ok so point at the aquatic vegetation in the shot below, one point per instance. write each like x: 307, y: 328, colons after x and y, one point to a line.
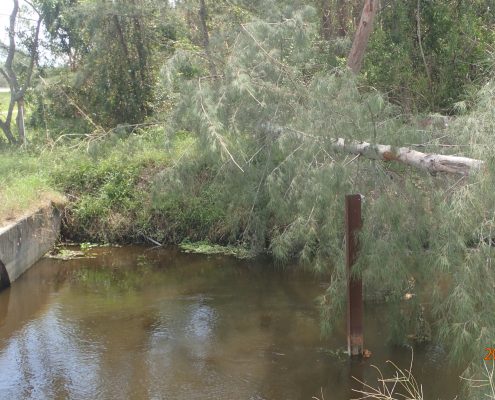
x: 210, y: 248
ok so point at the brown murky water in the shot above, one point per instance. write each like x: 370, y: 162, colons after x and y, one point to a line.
x: 134, y: 323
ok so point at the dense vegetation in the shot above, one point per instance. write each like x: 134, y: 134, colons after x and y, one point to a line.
x: 213, y: 121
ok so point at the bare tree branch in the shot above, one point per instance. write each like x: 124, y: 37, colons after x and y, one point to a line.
x: 432, y: 163
x: 429, y: 162
x: 11, y: 52
x: 32, y: 60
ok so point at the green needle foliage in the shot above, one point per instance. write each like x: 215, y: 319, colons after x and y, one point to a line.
x: 265, y: 125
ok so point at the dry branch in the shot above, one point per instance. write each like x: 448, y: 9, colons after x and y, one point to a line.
x: 432, y: 163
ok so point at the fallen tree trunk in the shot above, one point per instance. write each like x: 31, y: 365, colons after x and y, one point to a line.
x: 432, y: 163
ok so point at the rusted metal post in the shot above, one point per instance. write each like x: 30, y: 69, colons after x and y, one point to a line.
x: 353, y: 224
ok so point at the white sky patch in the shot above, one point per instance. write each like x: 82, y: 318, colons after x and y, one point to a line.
x: 6, y: 7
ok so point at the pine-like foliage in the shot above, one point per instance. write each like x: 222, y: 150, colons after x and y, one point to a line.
x: 264, y: 124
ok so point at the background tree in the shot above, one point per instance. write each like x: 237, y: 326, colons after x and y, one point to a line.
x: 19, y: 79
x: 65, y: 36
x: 429, y: 55
x: 112, y: 49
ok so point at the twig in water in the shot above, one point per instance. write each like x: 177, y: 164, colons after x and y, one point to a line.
x: 153, y: 241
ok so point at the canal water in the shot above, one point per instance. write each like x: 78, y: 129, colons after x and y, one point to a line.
x: 137, y: 323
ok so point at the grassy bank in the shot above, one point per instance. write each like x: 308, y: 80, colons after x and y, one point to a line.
x: 116, y: 188
x: 4, y: 102
x: 24, y: 186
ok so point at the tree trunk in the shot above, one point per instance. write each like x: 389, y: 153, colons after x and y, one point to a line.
x: 142, y: 51
x: 125, y: 50
x: 420, y: 42
x: 432, y: 163
x: 203, y: 15
x: 326, y: 20
x: 363, y: 33
x: 202, y: 20
x: 130, y: 66
x: 20, y: 122
x: 343, y: 17
x: 7, y: 132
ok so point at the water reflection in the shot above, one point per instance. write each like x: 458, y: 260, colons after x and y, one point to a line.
x: 162, y: 325
x: 47, y: 359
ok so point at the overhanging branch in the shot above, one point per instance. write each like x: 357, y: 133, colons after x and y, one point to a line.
x: 429, y: 162
x: 432, y: 163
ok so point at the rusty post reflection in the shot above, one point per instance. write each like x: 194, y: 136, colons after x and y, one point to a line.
x: 353, y: 224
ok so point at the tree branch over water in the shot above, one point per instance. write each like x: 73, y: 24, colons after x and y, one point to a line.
x: 432, y: 163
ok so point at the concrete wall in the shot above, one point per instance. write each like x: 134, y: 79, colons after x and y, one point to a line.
x: 24, y: 242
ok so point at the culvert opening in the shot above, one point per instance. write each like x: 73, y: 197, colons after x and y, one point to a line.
x: 4, y: 276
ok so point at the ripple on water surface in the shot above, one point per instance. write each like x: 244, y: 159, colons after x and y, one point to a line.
x: 138, y: 324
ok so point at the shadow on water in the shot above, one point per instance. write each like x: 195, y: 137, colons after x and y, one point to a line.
x: 135, y: 323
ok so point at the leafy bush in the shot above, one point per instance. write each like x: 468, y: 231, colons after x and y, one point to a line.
x: 430, y: 63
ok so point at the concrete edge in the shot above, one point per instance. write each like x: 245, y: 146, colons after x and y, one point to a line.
x: 25, y: 241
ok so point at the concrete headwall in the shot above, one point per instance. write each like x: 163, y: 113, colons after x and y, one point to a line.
x: 25, y: 241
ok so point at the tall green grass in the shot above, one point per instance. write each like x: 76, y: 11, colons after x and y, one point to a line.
x: 110, y: 185
x: 24, y: 185
x: 4, y: 102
